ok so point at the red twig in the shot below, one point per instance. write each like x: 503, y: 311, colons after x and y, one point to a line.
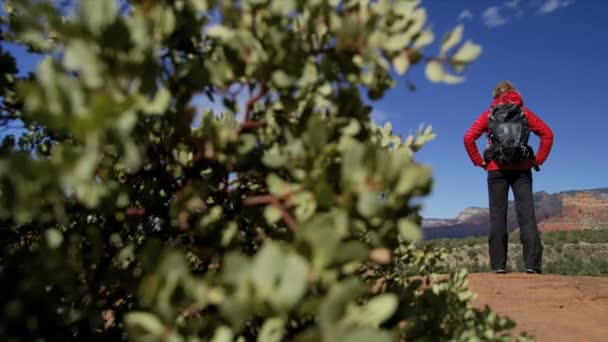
x: 321, y: 50
x: 289, y: 220
x: 276, y: 201
x: 250, y: 125
x: 136, y: 211
x: 257, y: 200
x: 252, y: 101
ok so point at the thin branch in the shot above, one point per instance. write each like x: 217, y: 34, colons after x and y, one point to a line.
x: 276, y: 201
x: 321, y: 50
x: 250, y: 125
x: 251, y: 102
x: 136, y: 211
x: 286, y: 216
x: 258, y: 200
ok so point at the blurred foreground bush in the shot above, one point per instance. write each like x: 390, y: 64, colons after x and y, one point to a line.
x: 128, y: 213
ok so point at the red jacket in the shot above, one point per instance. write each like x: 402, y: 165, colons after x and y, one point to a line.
x: 535, y: 124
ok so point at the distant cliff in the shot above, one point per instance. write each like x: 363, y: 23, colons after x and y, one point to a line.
x: 568, y: 210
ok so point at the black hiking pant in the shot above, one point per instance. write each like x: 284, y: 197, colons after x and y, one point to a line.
x: 499, y: 183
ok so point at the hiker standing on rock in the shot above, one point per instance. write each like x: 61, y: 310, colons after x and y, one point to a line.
x: 509, y: 160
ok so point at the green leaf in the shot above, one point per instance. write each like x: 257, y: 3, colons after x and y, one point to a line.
x: 404, y: 8
x: 54, y: 238
x: 401, y: 63
x: 223, y: 334
x: 293, y: 283
x: 238, y: 268
x: 409, y: 231
x: 214, y: 215
x: 266, y: 268
x: 452, y: 39
x: 272, y: 330
x: 229, y: 232
x: 273, y: 158
x: 411, y: 178
x: 165, y: 21
x: 419, y: 15
x: 369, y: 203
x: 283, y: 7
x: 371, y: 314
x: 220, y: 31
x: 351, y: 251
x: 352, y: 129
x: 387, y: 129
x: 281, y: 79
x: 352, y: 158
x: 159, y: 103
x: 426, y: 37
x: 80, y: 56
x: 126, y: 122
x: 333, y: 307
x: 310, y: 335
x: 132, y: 157
x: 467, y: 53
x: 367, y: 334
x: 272, y: 214
x: 310, y: 74
x: 248, y: 143
x: 278, y: 186
x: 398, y: 41
x: 323, y: 234
x: 98, y: 14
x: 325, y: 89
x: 452, y: 79
x: 184, y: 157
x: 382, y: 7
x: 306, y: 205
x: 199, y: 5
x: 434, y: 71
x: 144, y: 325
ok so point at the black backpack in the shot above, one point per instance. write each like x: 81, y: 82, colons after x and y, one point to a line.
x: 508, y: 134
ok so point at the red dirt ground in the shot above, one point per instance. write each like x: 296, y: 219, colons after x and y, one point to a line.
x: 548, y: 307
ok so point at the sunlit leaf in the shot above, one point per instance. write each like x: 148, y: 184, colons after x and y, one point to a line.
x: 426, y: 37
x: 434, y: 71
x: 272, y: 214
x: 468, y: 52
x: 98, y: 14
x: 409, y: 231
x: 223, y: 334
x: 143, y: 325
x: 54, y: 238
x: 272, y: 330
x: 374, y: 312
x: 452, y: 38
x: 401, y: 63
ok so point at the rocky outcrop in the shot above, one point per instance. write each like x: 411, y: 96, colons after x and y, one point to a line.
x: 561, y: 211
x: 580, y: 210
x: 473, y: 214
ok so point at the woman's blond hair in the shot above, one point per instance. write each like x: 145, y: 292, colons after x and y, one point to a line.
x: 501, y: 88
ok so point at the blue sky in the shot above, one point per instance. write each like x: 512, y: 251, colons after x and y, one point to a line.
x: 554, y: 53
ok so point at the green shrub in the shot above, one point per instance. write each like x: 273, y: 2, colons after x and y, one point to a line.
x: 582, y: 252
x: 128, y: 214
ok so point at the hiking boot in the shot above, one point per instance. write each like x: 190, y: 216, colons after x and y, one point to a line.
x: 500, y: 271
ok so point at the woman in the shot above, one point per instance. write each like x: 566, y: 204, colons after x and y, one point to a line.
x: 515, y: 174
